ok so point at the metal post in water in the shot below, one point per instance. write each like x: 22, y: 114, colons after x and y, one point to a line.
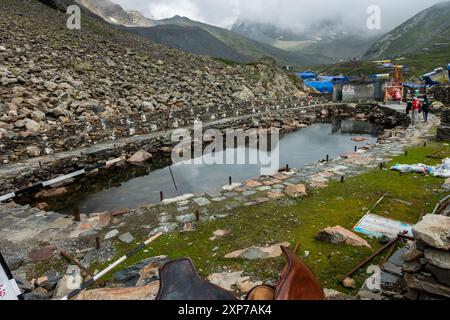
x: 328, y: 158
x: 197, y: 216
x: 230, y: 180
x: 356, y: 148
x: 76, y: 214
x: 161, y: 196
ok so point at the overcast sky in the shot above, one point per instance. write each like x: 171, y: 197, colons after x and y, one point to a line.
x: 296, y: 14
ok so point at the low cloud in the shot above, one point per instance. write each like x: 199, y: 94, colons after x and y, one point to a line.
x: 296, y: 15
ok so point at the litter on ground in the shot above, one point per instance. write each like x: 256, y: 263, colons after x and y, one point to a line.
x: 440, y: 171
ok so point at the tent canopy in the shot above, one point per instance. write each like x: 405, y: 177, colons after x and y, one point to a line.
x: 334, y: 78
x: 306, y: 75
x: 321, y: 86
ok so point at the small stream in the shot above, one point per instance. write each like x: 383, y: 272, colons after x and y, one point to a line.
x: 139, y: 185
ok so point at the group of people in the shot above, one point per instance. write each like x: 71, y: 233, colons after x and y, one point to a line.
x: 415, y: 107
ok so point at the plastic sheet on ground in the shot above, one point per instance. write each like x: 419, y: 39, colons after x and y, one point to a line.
x: 440, y: 171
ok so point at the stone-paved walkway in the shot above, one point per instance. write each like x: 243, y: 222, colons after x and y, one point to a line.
x: 27, y: 232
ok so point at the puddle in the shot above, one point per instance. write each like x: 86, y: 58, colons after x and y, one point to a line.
x: 140, y: 185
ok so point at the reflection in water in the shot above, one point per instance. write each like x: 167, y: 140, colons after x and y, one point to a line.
x: 139, y: 185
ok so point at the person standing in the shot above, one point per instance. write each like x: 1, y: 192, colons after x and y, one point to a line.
x: 415, y: 110
x: 426, y: 109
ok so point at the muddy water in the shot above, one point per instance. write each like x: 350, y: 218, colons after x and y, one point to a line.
x: 139, y: 185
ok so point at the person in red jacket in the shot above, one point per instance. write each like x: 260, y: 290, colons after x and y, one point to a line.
x: 415, y: 110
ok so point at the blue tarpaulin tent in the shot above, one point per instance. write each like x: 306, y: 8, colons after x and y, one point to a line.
x: 338, y: 79
x: 321, y: 86
x: 306, y: 75
x: 448, y: 68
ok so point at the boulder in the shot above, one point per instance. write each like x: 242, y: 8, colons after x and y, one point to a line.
x: 33, y: 151
x: 42, y: 254
x: 434, y: 231
x: 244, y: 95
x: 72, y: 280
x: 139, y: 273
x: 252, y: 183
x: 413, y: 254
x: 274, y: 195
x: 349, y: 283
x: 231, y: 280
x: 111, y: 234
x: 140, y: 157
x: 438, y: 258
x: 126, y: 237
x: 359, y: 139
x: 52, y: 193
x: 254, y: 253
x: 441, y: 275
x: 427, y: 284
x: 333, y: 295
x: 340, y: 235
x: 296, y: 191
x: 147, y: 292
x: 32, y: 125
x: 38, y: 294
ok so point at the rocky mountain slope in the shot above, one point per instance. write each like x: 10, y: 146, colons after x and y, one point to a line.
x: 182, y: 33
x: 62, y: 89
x: 113, y: 13
x: 190, y: 39
x: 427, y: 31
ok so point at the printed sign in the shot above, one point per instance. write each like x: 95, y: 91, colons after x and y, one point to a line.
x: 8, y: 288
x: 376, y: 226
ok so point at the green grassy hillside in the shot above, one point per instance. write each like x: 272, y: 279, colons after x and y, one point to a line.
x: 428, y: 30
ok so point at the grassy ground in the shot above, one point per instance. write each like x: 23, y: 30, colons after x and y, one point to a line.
x: 300, y: 221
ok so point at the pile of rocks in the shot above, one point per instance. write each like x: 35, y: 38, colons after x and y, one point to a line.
x: 62, y: 89
x: 444, y: 130
x: 427, y: 263
x: 442, y: 94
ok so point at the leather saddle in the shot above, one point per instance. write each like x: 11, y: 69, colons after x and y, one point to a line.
x: 180, y: 281
x: 297, y: 283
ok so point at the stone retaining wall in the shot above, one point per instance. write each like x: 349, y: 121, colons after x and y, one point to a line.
x: 427, y: 263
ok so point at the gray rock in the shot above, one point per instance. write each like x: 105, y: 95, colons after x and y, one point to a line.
x: 24, y: 284
x: 111, y: 234
x: 72, y: 280
x: 53, y: 278
x: 14, y: 263
x: 126, y: 237
x: 438, y: 258
x: 441, y: 275
x: 412, y: 267
x: 427, y: 284
x: 38, y: 294
x: 397, y: 258
x: 186, y: 218
x: 201, y: 201
x: 33, y: 151
x: 130, y: 276
x: 434, y: 230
